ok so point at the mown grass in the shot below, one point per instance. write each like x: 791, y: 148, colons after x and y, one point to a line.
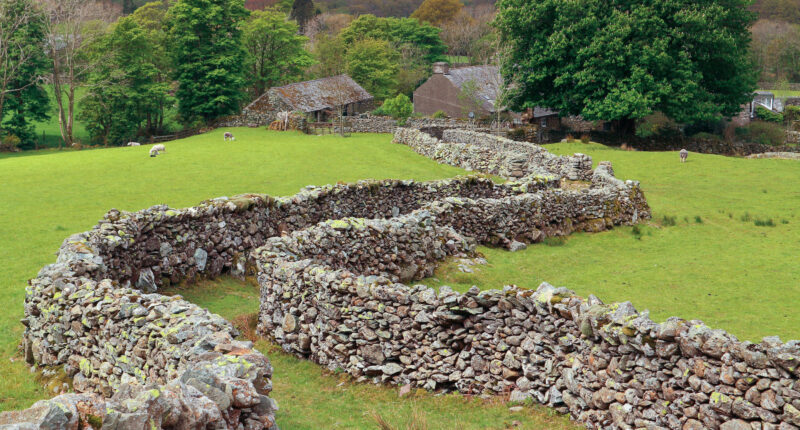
x: 47, y: 195
x: 311, y: 397
x: 784, y: 93
x: 714, y: 251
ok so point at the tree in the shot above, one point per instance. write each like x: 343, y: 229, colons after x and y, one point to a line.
x: 373, y: 64
x: 209, y: 57
x: 400, y: 108
x: 776, y: 49
x: 303, y: 11
x: 73, y: 26
x: 152, y: 20
x: 23, y: 64
x: 619, y: 60
x: 398, y: 32
x: 125, y: 92
x: 276, y: 53
x: 329, y: 52
x: 438, y: 12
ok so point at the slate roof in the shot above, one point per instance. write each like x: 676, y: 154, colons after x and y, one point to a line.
x: 487, y: 80
x: 320, y: 94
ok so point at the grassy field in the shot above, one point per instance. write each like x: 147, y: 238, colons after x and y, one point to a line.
x: 784, y: 93
x: 707, y: 260
x: 730, y: 259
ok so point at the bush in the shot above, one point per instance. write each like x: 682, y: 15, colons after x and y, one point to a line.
x: 764, y: 222
x: 439, y: 115
x: 585, y: 138
x: 400, y: 108
x: 768, y: 115
x: 791, y: 113
x: 765, y: 133
x: 570, y: 138
x: 10, y: 143
x: 656, y: 124
x: 707, y: 135
x: 380, y: 111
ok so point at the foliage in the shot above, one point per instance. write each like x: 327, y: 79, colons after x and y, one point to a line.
x: 276, y: 53
x: 656, y: 124
x: 439, y: 114
x: 9, y: 143
x: 373, y: 64
x: 767, y: 115
x: 765, y: 133
x: 438, y: 12
x: 779, y: 10
x: 398, y: 32
x: 380, y: 111
x: 400, y: 108
x: 209, y: 57
x: 124, y: 86
x: 622, y: 60
x: 469, y: 99
x: 329, y: 53
x: 791, y: 114
x: 22, y: 64
x: 776, y: 50
x: 302, y: 12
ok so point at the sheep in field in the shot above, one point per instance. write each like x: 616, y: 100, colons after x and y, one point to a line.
x: 153, y: 152
x: 684, y: 155
x: 228, y: 136
x: 160, y: 148
x: 134, y: 144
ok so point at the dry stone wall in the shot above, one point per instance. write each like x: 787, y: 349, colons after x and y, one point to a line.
x: 137, y: 359
x: 332, y: 293
x: 495, y: 155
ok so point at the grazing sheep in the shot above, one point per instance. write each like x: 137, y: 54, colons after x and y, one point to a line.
x: 153, y: 152
x: 684, y: 155
x: 228, y: 136
x: 159, y: 148
x: 134, y: 144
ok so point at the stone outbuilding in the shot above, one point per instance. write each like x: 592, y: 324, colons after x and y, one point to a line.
x: 320, y: 99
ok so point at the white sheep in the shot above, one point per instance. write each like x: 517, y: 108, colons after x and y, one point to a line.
x: 684, y: 155
x: 134, y: 144
x: 153, y: 152
x: 160, y: 148
x: 228, y: 136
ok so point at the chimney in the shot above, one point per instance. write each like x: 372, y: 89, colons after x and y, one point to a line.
x: 441, y: 68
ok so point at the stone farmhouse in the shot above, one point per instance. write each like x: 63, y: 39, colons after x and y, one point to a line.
x: 441, y: 93
x: 320, y: 99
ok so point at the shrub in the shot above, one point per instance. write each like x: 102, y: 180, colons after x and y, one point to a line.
x: 400, y: 108
x: 707, y: 135
x: 570, y: 138
x: 585, y: 138
x: 765, y: 133
x: 10, y: 143
x: 656, y: 124
x: 669, y: 221
x: 768, y: 115
x: 764, y: 222
x: 439, y: 114
x: 698, y: 219
x: 380, y: 111
x: 791, y: 113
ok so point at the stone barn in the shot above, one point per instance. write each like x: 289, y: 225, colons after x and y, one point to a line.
x: 441, y: 92
x: 320, y: 99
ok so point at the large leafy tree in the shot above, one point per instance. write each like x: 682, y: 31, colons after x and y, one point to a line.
x: 373, y: 64
x: 438, y: 12
x: 621, y: 60
x: 23, y: 63
x: 276, y: 53
x: 125, y: 93
x: 209, y: 57
x: 398, y: 32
